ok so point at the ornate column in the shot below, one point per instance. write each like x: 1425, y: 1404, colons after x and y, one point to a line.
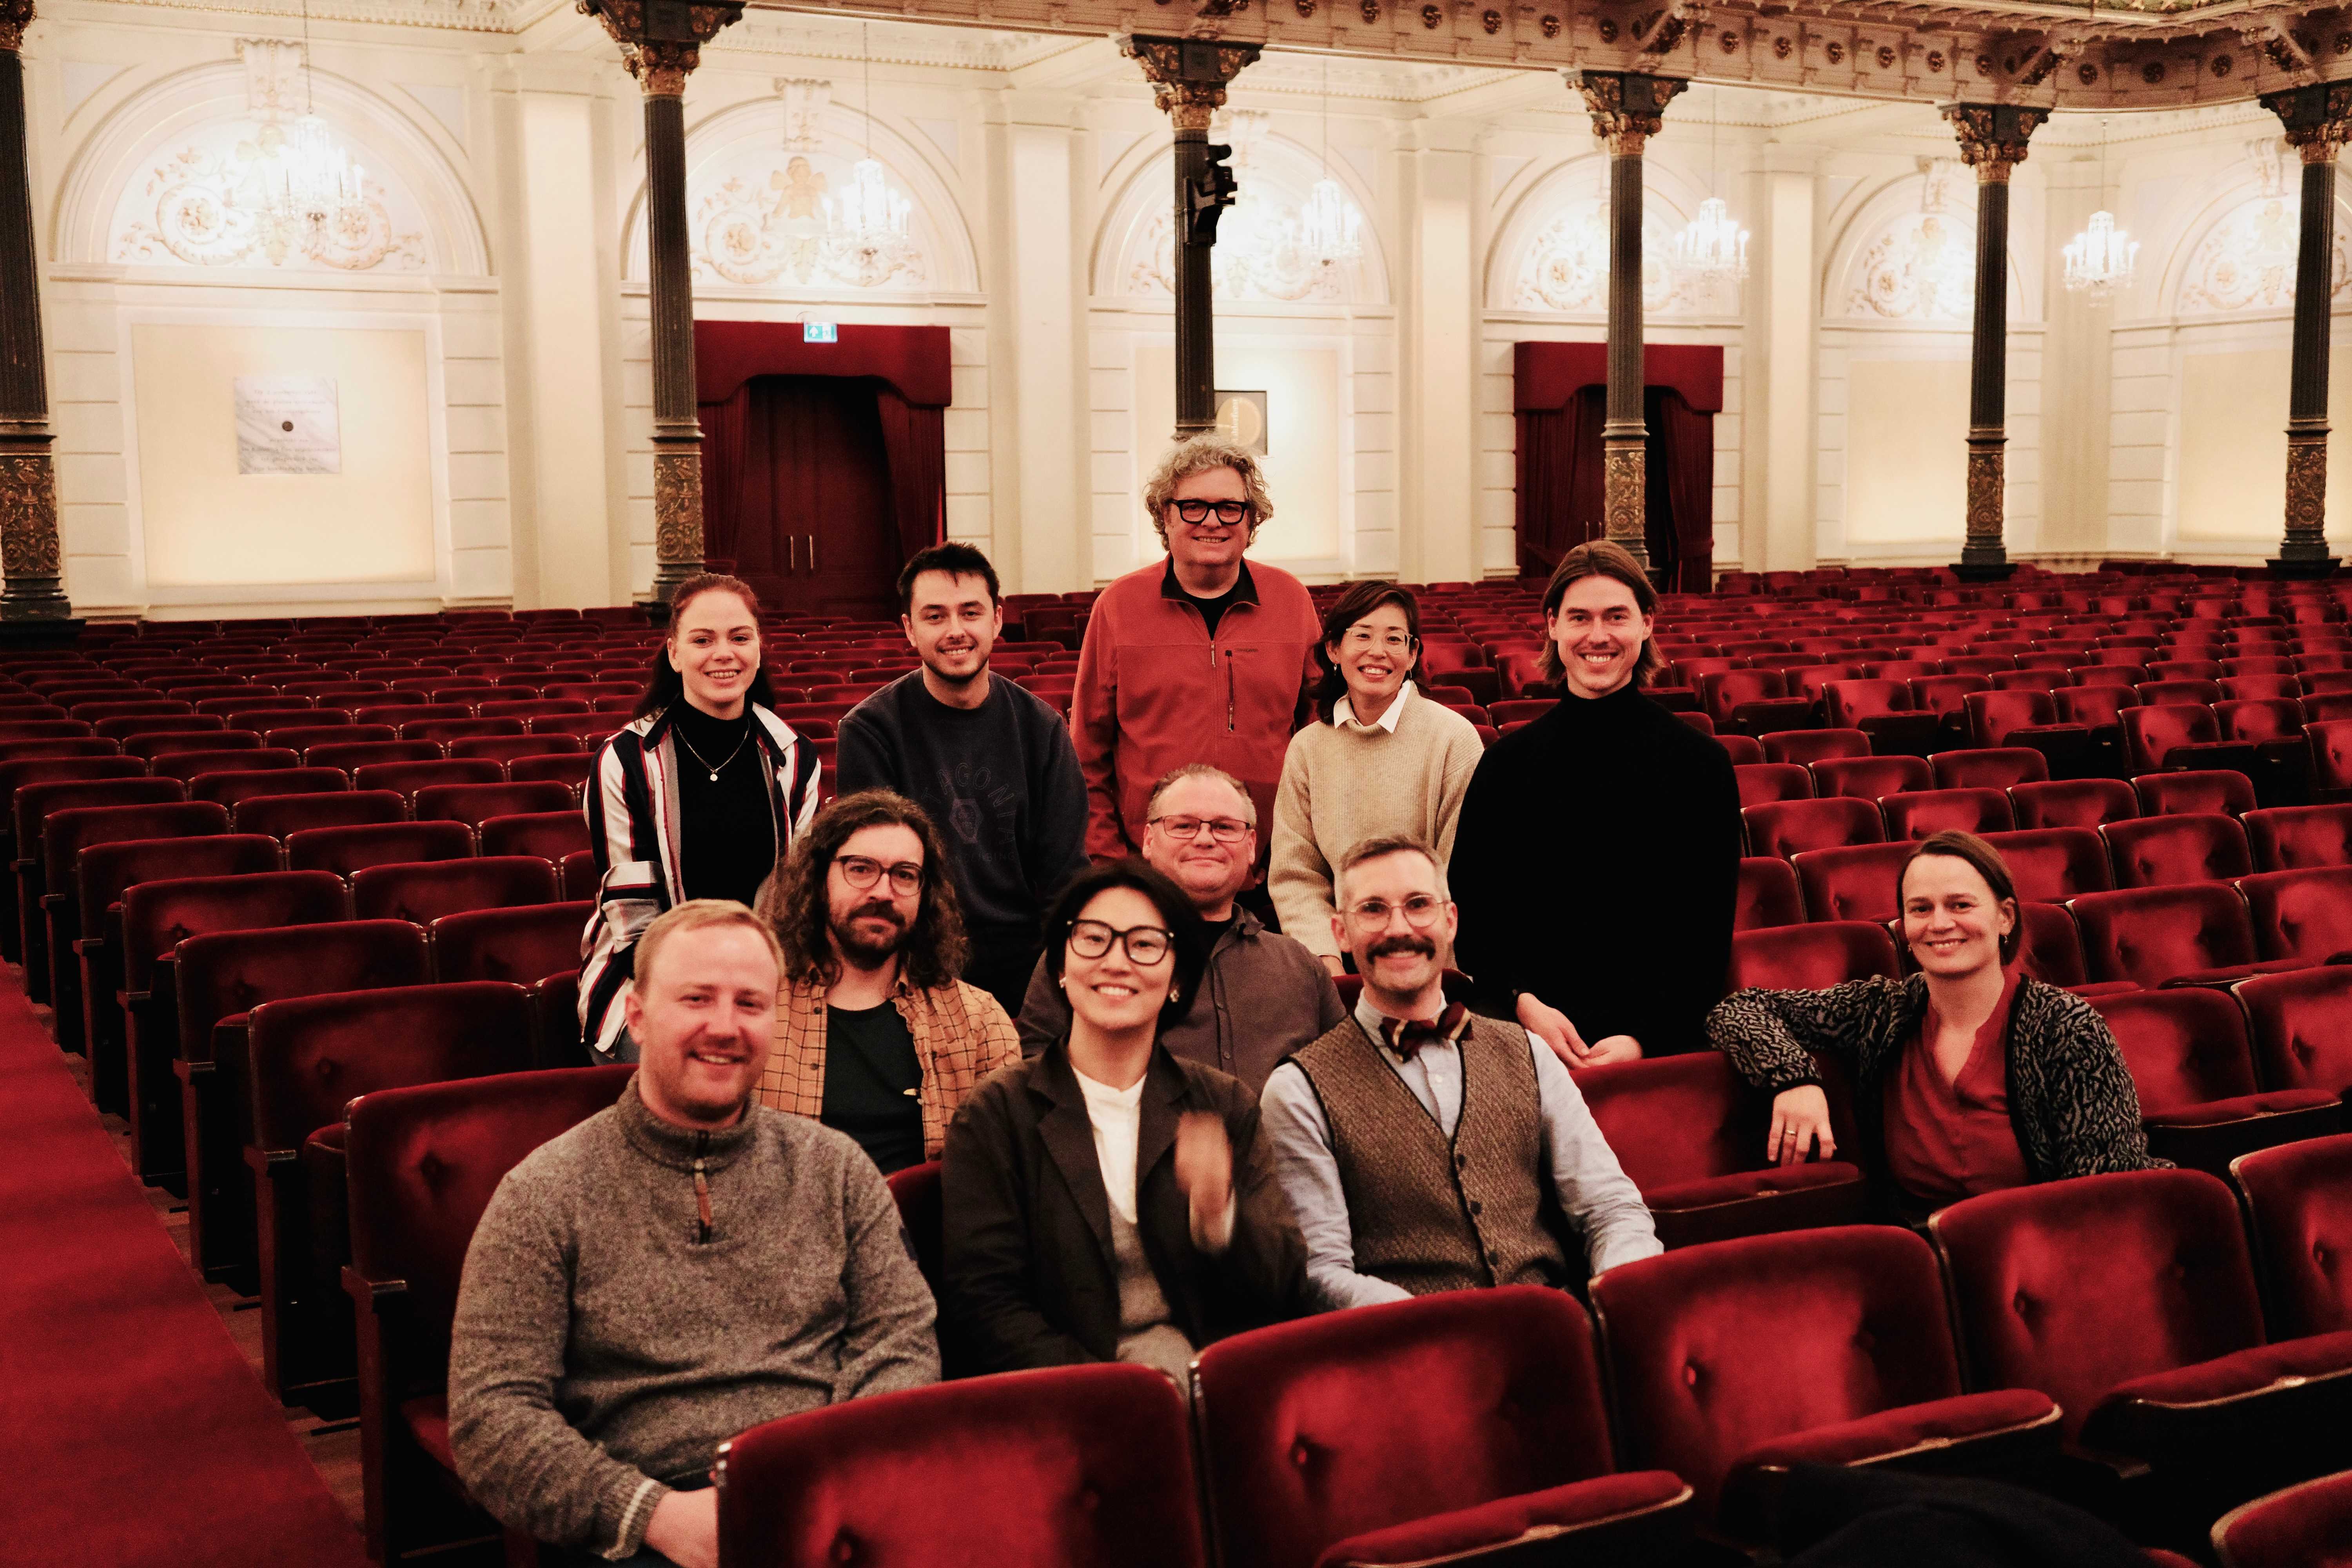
x: 28, y: 481
x: 2318, y: 122
x: 661, y: 41
x: 1993, y: 141
x: 1188, y: 77
x: 1628, y: 108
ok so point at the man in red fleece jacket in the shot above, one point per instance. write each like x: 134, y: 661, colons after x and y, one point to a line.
x: 1199, y: 659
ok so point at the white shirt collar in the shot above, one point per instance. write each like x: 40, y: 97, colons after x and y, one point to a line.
x: 1343, y: 715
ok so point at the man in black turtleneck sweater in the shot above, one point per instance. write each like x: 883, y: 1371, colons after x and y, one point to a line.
x: 1597, y: 864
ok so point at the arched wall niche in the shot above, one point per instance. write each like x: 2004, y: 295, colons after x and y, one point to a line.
x: 1550, y: 252
x: 1907, y: 255
x: 1258, y: 259
x: 2236, y: 250
x: 164, y: 181
x: 755, y: 215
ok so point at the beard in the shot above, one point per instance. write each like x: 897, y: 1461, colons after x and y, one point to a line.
x: 861, y: 953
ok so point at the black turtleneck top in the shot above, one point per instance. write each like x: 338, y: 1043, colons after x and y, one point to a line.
x: 1597, y: 864
x: 727, y: 829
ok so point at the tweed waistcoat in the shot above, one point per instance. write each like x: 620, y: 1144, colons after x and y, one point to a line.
x: 1430, y: 1213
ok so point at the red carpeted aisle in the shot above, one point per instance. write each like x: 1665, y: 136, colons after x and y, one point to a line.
x: 132, y: 1431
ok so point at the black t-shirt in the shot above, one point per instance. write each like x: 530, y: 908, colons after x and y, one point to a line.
x: 726, y: 830
x: 872, y: 1080
x: 1212, y: 610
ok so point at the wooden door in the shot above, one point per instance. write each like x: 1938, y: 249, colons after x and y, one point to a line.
x: 817, y: 534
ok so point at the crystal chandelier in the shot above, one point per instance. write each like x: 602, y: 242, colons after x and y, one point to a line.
x: 1328, y: 228
x: 2100, y: 259
x: 309, y: 184
x: 865, y: 232
x: 1712, y: 247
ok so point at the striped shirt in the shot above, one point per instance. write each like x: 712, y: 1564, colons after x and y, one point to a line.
x: 961, y: 1034
x: 634, y: 833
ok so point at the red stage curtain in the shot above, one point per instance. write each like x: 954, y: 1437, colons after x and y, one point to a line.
x: 723, y: 432
x: 915, y: 438
x: 1689, y: 441
x: 1559, y: 478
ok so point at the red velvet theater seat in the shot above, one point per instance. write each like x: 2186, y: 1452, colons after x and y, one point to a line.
x: 1916, y: 815
x: 2129, y: 1299
x: 1855, y: 884
x: 409, y: 777
x: 156, y: 918
x: 523, y: 945
x: 347, y: 850
x: 65, y: 835
x: 2294, y: 837
x: 1990, y: 767
x: 422, y: 1163
x: 1761, y: 784
x: 469, y: 804
x: 1078, y: 1466
x: 1810, y: 957
x: 1809, y: 747
x: 187, y: 765
x: 1732, y: 1363
x: 1690, y: 1134
x: 219, y: 978
x: 427, y: 892
x: 550, y: 835
x: 2051, y: 864
x: 2052, y: 949
x: 2164, y: 851
x: 281, y: 815
x: 2179, y: 735
x: 1768, y: 894
x: 304, y: 1058
x: 2302, y: 1023
x: 2303, y: 1526
x: 1868, y: 778
x: 2201, y: 791
x: 2194, y: 1073
x: 2302, y: 915
x: 1315, y: 1435
x: 2151, y: 935
x: 570, y: 769
x: 916, y: 1191
x: 2298, y: 1201
x: 352, y: 756
x: 230, y: 786
x: 1787, y: 827
x: 1883, y: 710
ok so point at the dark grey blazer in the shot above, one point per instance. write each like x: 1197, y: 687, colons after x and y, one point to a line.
x: 1030, y: 1277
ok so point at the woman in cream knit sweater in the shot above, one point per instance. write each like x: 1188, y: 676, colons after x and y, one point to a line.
x: 1382, y: 758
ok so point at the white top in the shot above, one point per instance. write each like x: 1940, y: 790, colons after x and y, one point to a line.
x: 1342, y: 715
x: 1117, y: 1115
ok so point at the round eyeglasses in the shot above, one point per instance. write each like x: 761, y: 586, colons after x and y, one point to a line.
x: 861, y: 873
x: 1144, y: 945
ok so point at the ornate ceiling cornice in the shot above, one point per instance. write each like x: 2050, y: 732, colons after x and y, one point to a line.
x: 2120, y: 55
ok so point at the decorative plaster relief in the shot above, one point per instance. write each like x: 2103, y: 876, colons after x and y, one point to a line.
x: 759, y: 217
x: 205, y: 205
x: 1565, y: 267
x: 2247, y: 260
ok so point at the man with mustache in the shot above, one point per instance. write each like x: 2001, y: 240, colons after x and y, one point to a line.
x: 1427, y: 1148
x: 874, y: 1035
x: 992, y: 764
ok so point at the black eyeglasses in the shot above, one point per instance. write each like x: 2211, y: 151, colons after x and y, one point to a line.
x: 859, y: 872
x: 1197, y: 511
x: 1146, y: 945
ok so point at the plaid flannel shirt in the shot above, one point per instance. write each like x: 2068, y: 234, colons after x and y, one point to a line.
x: 961, y: 1034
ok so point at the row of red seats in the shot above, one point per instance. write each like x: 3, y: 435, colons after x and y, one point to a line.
x: 1296, y: 1426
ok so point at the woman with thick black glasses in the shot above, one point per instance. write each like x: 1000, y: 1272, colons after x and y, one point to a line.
x: 1107, y: 1200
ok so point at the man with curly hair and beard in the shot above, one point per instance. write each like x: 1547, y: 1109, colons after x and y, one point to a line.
x: 874, y: 1035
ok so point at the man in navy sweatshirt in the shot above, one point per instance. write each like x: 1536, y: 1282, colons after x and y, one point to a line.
x: 992, y: 765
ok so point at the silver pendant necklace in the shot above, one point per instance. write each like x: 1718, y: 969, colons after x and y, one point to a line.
x: 698, y: 756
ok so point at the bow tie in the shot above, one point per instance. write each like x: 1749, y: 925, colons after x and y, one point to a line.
x: 1405, y: 1037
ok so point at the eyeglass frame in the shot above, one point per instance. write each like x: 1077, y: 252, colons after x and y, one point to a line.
x: 1211, y: 823
x: 1249, y: 511
x: 881, y: 874
x: 1357, y: 919
x: 1118, y: 936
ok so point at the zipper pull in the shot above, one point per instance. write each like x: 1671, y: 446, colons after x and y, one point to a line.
x: 702, y: 1196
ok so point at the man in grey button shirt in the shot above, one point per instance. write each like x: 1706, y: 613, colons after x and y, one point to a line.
x: 1398, y: 1192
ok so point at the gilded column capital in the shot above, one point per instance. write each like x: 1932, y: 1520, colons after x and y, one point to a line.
x: 1187, y: 76
x: 661, y: 40
x: 15, y: 15
x: 2318, y: 119
x: 1628, y: 107
x: 1992, y: 136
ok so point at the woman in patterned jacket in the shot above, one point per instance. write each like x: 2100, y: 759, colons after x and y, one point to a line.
x: 698, y: 798
x: 1968, y: 1076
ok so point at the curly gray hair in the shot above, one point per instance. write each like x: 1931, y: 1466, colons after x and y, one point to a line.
x: 1198, y: 455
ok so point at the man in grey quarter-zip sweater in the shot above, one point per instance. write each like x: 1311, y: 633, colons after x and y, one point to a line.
x: 673, y: 1272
